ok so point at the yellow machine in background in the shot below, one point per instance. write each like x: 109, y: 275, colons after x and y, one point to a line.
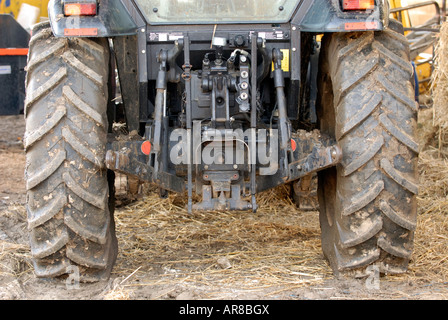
x: 26, y: 12
x: 16, y: 19
x: 421, y: 21
x: 13, y: 6
x: 403, y: 16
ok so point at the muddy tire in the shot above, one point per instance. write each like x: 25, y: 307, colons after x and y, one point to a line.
x: 69, y: 206
x: 368, y: 208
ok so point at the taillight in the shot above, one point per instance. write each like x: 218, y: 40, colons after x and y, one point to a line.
x: 80, y: 9
x: 358, y: 4
x: 146, y: 147
x: 293, y: 145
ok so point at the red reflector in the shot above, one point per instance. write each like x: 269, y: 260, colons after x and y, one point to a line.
x: 361, y: 26
x: 80, y: 32
x: 13, y: 51
x: 146, y: 147
x: 293, y: 145
x: 80, y: 9
x: 358, y: 4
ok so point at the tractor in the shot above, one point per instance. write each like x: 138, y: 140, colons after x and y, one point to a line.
x: 221, y: 100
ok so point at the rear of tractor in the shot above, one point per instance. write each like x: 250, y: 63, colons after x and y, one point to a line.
x: 225, y: 99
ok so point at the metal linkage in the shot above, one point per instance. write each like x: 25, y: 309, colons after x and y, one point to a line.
x: 253, y: 120
x: 189, y: 124
x: 284, y: 124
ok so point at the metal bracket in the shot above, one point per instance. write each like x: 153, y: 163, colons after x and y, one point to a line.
x: 123, y: 157
x: 319, y: 159
x: 314, y: 152
x: 222, y: 202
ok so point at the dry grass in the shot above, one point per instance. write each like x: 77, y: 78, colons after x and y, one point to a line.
x: 14, y: 255
x: 430, y: 255
x: 277, y: 246
x: 440, y: 92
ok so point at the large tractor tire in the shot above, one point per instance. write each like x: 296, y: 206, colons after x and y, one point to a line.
x: 368, y: 208
x: 69, y: 205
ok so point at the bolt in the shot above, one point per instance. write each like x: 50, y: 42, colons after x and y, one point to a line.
x: 334, y: 154
x: 235, y: 166
x: 111, y: 158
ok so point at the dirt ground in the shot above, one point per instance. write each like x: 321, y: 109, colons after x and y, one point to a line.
x: 273, y: 255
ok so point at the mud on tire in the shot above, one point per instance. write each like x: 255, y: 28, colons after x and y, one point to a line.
x: 70, y: 217
x: 368, y: 207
